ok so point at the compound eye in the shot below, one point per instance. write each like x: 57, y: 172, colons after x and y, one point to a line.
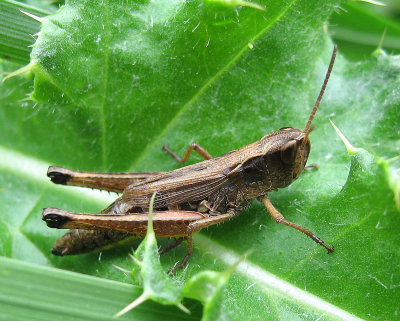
x: 288, y: 152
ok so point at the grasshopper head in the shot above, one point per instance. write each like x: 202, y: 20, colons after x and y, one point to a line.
x: 285, y: 153
x: 295, y: 150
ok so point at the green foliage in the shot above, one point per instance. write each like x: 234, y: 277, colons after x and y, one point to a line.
x: 115, y: 80
x: 16, y: 29
x: 359, y: 27
x: 148, y: 272
x: 39, y: 293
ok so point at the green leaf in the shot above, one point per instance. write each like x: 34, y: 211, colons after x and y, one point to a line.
x: 114, y: 81
x: 149, y: 273
x: 83, y: 297
x: 17, y: 29
x: 359, y: 28
x: 207, y: 286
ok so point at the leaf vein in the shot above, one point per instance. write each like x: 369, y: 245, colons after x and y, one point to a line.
x: 206, y: 85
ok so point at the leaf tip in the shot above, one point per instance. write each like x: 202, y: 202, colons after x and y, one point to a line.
x: 235, y: 3
x: 17, y: 72
x: 150, y: 229
x: 351, y: 150
x: 135, y: 260
x: 143, y: 297
x: 252, y: 5
x: 379, y: 51
x: 377, y: 3
x: 392, y: 177
x: 125, y: 271
x: 183, y: 308
x: 39, y: 19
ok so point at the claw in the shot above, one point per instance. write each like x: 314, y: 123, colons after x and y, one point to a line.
x: 53, y: 217
x: 57, y: 176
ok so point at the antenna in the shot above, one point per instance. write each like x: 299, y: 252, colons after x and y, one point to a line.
x: 321, y: 93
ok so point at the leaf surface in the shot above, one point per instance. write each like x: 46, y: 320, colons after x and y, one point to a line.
x: 114, y: 81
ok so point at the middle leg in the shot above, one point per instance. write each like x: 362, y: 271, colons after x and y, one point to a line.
x: 195, y: 227
x: 171, y: 246
x: 193, y: 146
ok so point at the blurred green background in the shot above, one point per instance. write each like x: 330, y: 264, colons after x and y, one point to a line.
x: 359, y: 27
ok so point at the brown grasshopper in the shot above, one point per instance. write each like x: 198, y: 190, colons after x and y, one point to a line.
x: 190, y: 198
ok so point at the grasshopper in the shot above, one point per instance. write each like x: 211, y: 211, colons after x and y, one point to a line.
x: 190, y: 198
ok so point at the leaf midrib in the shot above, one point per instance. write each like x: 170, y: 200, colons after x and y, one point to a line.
x: 269, y: 282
